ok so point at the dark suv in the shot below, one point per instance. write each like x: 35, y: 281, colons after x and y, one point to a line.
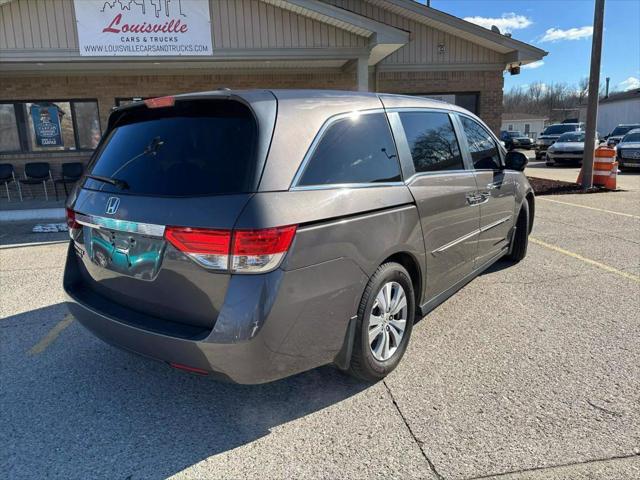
x: 513, y: 139
x: 256, y: 234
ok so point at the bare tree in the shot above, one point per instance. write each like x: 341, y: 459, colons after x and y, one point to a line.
x: 555, y: 101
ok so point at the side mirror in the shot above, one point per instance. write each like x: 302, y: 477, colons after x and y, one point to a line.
x: 516, y: 161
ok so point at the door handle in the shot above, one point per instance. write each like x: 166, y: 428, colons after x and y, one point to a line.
x: 477, y: 199
x: 494, y: 185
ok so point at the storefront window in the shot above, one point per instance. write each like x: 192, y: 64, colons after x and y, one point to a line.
x: 9, y: 139
x: 87, y: 124
x: 49, y: 125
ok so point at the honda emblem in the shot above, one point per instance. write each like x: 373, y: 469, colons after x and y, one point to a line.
x: 112, y: 205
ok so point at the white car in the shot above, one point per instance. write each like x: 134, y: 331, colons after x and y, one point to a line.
x: 569, y: 148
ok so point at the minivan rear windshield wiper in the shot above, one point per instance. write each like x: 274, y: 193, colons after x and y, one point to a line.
x: 121, y: 184
x: 151, y: 149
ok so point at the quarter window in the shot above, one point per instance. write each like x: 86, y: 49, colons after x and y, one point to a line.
x: 483, y: 149
x: 432, y: 141
x: 354, y: 149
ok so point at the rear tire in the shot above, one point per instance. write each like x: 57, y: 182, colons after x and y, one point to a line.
x: 520, y: 240
x: 370, y: 361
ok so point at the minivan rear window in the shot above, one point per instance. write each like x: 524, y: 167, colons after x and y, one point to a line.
x: 194, y: 148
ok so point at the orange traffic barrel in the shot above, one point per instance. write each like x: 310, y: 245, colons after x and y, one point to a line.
x: 612, y: 181
x: 604, y: 158
x: 603, y: 161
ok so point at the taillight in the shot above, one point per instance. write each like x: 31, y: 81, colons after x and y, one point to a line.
x: 260, y: 250
x: 210, y: 248
x: 241, y: 251
x: 71, y: 219
x: 72, y: 223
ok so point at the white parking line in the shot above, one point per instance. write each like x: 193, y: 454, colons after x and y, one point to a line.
x: 589, y: 208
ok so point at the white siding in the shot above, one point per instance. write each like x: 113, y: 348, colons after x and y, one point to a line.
x: 423, y: 45
x: 235, y: 24
x: 610, y: 115
x: 38, y: 24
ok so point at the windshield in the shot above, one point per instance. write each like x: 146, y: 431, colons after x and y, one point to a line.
x: 571, y: 137
x: 194, y: 148
x: 631, y: 137
x: 559, y: 129
x: 515, y: 134
x: 623, y: 129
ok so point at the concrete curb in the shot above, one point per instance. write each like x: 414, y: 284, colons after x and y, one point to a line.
x: 32, y: 214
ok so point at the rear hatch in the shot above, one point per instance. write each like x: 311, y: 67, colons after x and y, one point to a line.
x: 151, y: 224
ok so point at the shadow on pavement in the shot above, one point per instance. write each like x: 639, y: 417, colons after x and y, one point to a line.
x: 501, y: 264
x: 84, y: 409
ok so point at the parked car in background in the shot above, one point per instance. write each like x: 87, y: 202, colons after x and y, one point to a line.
x: 628, y: 150
x: 514, y: 139
x: 256, y: 234
x: 551, y: 134
x: 568, y: 148
x: 620, y: 131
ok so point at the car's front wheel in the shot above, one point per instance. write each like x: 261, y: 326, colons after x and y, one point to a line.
x: 385, y: 321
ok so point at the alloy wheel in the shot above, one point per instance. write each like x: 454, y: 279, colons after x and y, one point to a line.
x: 388, y: 321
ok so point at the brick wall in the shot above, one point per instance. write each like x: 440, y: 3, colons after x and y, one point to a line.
x: 106, y: 88
x: 488, y: 84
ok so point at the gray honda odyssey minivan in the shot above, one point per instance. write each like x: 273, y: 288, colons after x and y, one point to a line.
x: 252, y: 235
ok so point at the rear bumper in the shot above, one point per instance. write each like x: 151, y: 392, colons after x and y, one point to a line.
x: 271, y: 326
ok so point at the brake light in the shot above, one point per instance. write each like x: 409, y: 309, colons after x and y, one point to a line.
x: 71, y: 219
x: 200, y: 240
x: 260, y: 250
x: 242, y: 251
x: 160, y: 102
x: 209, y: 248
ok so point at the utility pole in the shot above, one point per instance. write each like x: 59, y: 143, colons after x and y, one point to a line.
x: 592, y: 104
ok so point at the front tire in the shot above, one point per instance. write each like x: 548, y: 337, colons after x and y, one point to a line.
x: 520, y: 240
x: 384, y: 325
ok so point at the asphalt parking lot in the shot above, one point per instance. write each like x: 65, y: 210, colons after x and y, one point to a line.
x: 531, y: 371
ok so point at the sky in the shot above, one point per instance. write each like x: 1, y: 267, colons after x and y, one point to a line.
x: 564, y: 29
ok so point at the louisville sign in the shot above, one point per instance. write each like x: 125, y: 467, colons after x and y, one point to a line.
x: 143, y: 27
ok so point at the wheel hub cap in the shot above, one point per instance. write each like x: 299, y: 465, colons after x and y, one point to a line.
x: 387, y: 321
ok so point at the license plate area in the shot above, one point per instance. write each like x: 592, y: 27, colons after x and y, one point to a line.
x: 123, y: 247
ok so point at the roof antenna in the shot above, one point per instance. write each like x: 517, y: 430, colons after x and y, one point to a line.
x: 428, y: 3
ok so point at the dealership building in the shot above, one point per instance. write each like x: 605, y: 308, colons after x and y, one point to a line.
x: 64, y: 64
